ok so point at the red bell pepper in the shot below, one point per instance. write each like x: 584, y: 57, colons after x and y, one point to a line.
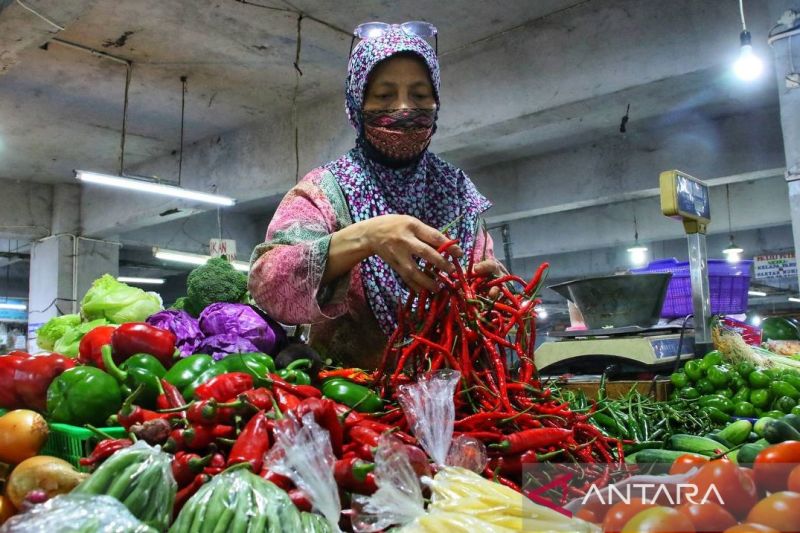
x: 9, y: 399
x: 138, y: 337
x: 90, y: 348
x: 32, y: 376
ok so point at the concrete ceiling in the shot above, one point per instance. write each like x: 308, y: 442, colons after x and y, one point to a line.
x: 61, y: 108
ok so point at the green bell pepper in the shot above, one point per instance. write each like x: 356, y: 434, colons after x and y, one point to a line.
x: 83, y: 395
x: 357, y: 396
x: 132, y: 378
x: 249, y: 363
x: 188, y: 369
x: 144, y: 361
x: 293, y: 373
x: 262, y: 358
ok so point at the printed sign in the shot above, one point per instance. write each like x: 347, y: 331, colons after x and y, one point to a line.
x: 775, y: 266
x: 219, y: 247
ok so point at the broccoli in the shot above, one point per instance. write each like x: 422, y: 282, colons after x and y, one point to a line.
x: 216, y: 281
x: 184, y: 304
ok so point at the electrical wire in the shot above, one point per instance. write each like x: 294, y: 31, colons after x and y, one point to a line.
x: 58, y: 26
x: 728, y: 201
x: 183, y: 111
x: 295, y: 93
x: 128, y: 74
x: 741, y: 12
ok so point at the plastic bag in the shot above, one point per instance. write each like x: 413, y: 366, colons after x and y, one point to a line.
x: 117, y: 302
x: 303, y: 453
x: 429, y: 409
x: 139, y: 476
x: 77, y: 512
x: 183, y: 325
x: 243, y: 321
x: 238, y: 500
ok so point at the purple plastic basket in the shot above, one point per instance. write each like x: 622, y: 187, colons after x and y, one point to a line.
x: 728, y: 284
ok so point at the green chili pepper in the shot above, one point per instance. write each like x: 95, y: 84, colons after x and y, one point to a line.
x: 297, y: 377
x: 144, y: 361
x: 262, y: 358
x: 132, y: 378
x: 352, y: 394
x: 83, y: 395
x: 188, y: 369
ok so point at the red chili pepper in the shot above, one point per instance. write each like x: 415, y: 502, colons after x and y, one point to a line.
x: 186, y: 466
x: 172, y: 395
x: 137, y: 337
x: 353, y: 474
x: 300, y: 500
x: 176, y: 441
x: 537, y: 277
x: 105, y: 449
x: 32, y: 376
x: 324, y: 411
x: 208, y: 412
x: 199, y: 437
x: 9, y: 399
x: 303, y: 391
x: 260, y: 398
x: 351, y: 416
x: 252, y: 443
x: 364, y: 435
x: 532, y: 439
x: 355, y: 375
x: 362, y: 451
x: 130, y: 414
x: 91, y: 345
x: 188, y: 491
x: 282, y: 482
x: 286, y: 400
x: 224, y: 386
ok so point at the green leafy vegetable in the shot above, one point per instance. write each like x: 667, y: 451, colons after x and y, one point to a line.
x: 117, y: 302
x: 54, y: 329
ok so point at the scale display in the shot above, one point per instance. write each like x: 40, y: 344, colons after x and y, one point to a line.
x: 685, y: 197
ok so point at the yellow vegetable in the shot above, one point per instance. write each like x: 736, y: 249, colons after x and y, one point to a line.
x: 50, y: 474
x: 22, y: 435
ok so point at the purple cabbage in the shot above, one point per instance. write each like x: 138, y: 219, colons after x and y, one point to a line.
x: 220, y: 346
x: 244, y: 322
x: 183, y: 325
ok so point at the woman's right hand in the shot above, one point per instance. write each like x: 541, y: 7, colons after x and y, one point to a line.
x: 400, y: 240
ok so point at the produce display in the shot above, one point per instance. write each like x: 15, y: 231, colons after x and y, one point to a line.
x: 204, y: 417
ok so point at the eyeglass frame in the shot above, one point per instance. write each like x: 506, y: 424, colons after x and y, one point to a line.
x: 434, y: 32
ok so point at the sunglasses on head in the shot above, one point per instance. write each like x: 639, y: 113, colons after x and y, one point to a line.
x: 373, y: 30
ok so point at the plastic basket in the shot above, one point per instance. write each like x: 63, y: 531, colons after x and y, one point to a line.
x: 71, y: 443
x: 728, y: 284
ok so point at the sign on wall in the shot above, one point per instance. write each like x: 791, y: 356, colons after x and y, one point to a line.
x: 220, y: 247
x: 775, y: 266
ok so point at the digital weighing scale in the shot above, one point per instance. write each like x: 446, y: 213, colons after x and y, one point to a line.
x: 644, y: 347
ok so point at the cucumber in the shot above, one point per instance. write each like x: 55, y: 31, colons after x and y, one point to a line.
x: 659, y: 456
x: 737, y: 432
x: 695, y: 444
x: 779, y: 431
x: 724, y: 442
x: 792, y: 420
x: 748, y: 452
x: 761, y: 423
x: 734, y: 456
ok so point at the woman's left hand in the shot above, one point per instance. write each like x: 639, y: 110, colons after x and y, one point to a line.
x: 491, y: 267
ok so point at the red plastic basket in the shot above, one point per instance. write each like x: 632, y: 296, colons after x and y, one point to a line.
x: 728, y: 284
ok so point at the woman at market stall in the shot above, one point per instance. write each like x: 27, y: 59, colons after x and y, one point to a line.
x: 345, y: 244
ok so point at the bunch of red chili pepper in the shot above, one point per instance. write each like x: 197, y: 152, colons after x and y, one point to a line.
x: 476, y: 324
x: 232, y: 421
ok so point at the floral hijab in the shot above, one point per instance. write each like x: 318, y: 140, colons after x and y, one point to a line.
x: 435, y: 192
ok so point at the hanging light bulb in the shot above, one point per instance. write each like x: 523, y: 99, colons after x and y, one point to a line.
x: 748, y: 66
x: 733, y: 253
x: 638, y: 251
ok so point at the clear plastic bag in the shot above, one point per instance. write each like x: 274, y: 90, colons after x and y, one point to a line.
x: 140, y: 477
x: 82, y: 513
x: 238, y: 500
x: 303, y: 453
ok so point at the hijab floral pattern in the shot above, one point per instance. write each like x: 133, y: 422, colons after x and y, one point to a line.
x: 430, y: 189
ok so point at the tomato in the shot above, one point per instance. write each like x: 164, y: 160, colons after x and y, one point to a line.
x: 735, y: 488
x: 780, y: 511
x: 750, y: 528
x: 686, y: 462
x: 773, y: 465
x: 587, y: 515
x: 659, y: 520
x: 621, y: 512
x: 707, y: 516
x: 794, y: 480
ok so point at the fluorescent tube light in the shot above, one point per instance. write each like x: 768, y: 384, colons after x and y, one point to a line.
x: 756, y: 293
x: 14, y: 307
x: 143, y: 281
x: 193, y: 259
x: 795, y: 300
x: 141, y: 185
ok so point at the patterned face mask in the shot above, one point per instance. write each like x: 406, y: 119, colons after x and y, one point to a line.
x: 400, y: 134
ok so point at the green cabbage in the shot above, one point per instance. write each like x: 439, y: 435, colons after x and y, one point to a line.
x: 69, y: 343
x: 117, y: 302
x: 54, y: 329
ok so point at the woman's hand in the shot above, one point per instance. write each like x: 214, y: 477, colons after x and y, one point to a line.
x: 493, y: 268
x: 400, y: 240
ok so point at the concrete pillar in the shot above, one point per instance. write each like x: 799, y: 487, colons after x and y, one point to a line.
x: 64, y: 265
x: 787, y: 55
